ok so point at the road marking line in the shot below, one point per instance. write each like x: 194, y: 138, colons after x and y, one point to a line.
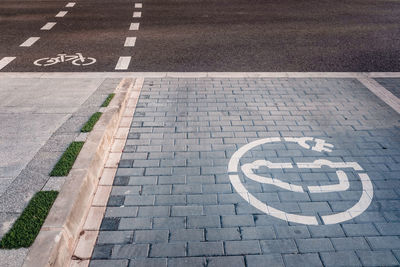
x: 123, y: 63
x: 61, y: 14
x: 137, y: 14
x: 134, y: 27
x: 138, y: 5
x: 381, y: 92
x: 5, y: 61
x: 30, y: 41
x: 70, y: 4
x: 48, y: 26
x: 130, y: 41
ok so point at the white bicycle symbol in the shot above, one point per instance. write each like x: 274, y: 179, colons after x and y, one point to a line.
x: 78, y: 60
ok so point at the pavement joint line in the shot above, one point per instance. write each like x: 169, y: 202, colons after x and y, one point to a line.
x: 199, y: 74
x: 70, y: 4
x: 5, y: 61
x: 134, y: 26
x: 137, y: 14
x: 123, y: 63
x: 61, y: 14
x: 130, y: 42
x: 48, y: 26
x: 382, y: 93
x: 29, y: 42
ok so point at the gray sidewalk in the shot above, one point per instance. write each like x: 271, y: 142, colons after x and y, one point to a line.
x: 256, y: 172
x: 39, y: 118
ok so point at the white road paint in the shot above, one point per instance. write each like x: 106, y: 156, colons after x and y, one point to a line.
x: 137, y: 14
x: 29, y: 42
x: 138, y: 5
x: 381, y: 92
x: 123, y: 63
x: 70, y: 4
x: 61, y: 14
x: 5, y: 61
x: 134, y: 26
x: 130, y: 41
x: 319, y: 145
x: 48, y: 26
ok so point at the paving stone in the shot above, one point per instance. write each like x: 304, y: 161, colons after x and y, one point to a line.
x: 151, y: 236
x: 364, y: 229
x: 340, y: 258
x: 242, y: 247
x: 216, y: 234
x: 186, y: 210
x: 110, y: 224
x: 168, y: 250
x: 333, y: 230
x: 106, y: 263
x: 388, y: 228
x: 314, y: 245
x: 114, y: 237
x: 155, y: 211
x: 310, y: 259
x: 264, y: 260
x: 292, y: 232
x: 219, y: 209
x: 350, y: 243
x: 236, y: 261
x: 259, y: 232
x: 384, y: 242
x: 133, y: 200
x: 187, y: 261
x: 130, y: 251
x: 148, y: 262
x: 121, y: 212
x: 280, y: 246
x: 169, y: 223
x: 187, y: 235
x: 134, y: 224
x: 205, y: 248
x: 203, y: 221
x: 102, y: 251
x: 377, y: 258
x: 237, y: 220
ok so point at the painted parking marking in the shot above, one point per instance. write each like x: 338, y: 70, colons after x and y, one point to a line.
x: 137, y: 14
x: 29, y: 42
x: 130, y: 41
x: 61, y: 14
x: 138, y: 5
x: 123, y: 63
x: 48, y: 26
x: 319, y: 145
x: 5, y: 61
x: 70, y: 4
x: 134, y: 26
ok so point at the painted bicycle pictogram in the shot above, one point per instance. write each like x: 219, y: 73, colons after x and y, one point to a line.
x: 78, y: 60
x: 319, y: 145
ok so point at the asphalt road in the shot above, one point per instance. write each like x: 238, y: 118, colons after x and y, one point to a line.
x: 206, y: 35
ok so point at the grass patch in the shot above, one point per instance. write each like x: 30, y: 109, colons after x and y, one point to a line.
x: 66, y: 161
x: 91, y: 122
x: 108, y: 100
x: 27, y: 226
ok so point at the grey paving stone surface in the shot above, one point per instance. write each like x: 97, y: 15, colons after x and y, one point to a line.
x: 173, y: 193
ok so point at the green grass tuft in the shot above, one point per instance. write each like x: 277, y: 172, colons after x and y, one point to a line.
x: 66, y: 161
x: 91, y: 122
x: 25, y: 229
x: 108, y: 100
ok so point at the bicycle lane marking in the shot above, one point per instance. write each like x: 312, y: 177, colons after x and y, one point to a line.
x: 5, y: 61
x: 29, y: 42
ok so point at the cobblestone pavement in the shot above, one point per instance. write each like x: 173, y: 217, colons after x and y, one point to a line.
x: 175, y: 202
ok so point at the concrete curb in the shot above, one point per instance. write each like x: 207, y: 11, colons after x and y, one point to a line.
x: 58, y: 236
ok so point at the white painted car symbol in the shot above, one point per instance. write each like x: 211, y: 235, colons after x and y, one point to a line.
x: 320, y: 145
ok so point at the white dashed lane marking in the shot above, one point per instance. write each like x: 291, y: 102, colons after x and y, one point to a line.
x: 134, y: 27
x: 30, y: 41
x: 123, y: 63
x: 61, y: 14
x: 137, y: 14
x: 48, y: 26
x: 130, y: 41
x: 138, y: 5
x: 5, y: 61
x: 70, y: 4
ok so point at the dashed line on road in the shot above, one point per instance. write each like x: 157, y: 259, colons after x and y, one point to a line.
x: 48, y: 26
x: 70, y: 4
x: 123, y: 63
x: 61, y: 14
x: 130, y: 41
x: 134, y: 26
x: 137, y: 14
x: 5, y: 61
x: 29, y: 42
x: 138, y: 5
